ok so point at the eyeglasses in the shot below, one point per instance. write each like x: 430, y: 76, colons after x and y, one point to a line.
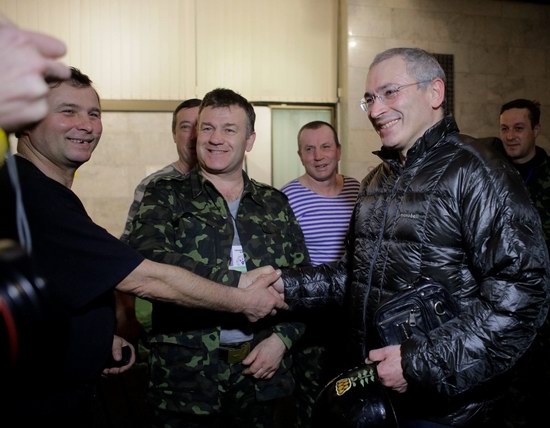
x: 387, y: 96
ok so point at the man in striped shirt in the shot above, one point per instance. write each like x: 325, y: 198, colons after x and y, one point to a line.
x: 322, y: 201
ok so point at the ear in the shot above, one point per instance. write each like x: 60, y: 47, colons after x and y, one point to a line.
x: 250, y: 141
x: 437, y: 93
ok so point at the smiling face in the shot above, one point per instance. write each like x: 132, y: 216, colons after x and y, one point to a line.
x: 69, y: 134
x: 402, y: 120
x: 185, y: 136
x: 319, y: 153
x: 222, y: 140
x: 518, y: 135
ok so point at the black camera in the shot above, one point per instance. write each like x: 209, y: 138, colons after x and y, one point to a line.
x: 26, y: 312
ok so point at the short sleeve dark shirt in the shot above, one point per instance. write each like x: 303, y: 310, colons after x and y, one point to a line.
x: 80, y: 261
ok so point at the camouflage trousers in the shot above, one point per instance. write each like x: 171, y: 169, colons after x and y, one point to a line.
x: 308, y: 369
x: 194, y: 392
x: 239, y: 407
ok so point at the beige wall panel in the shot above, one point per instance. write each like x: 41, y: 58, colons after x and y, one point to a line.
x: 133, y: 145
x: 132, y: 49
x: 268, y: 51
x: 282, y: 50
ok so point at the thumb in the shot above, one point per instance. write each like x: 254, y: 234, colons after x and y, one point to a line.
x: 266, y: 280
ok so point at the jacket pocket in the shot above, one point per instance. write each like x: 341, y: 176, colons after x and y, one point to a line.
x: 414, y: 312
x: 182, y: 378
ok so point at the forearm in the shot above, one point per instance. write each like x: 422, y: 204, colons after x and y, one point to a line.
x: 151, y: 280
x: 319, y: 286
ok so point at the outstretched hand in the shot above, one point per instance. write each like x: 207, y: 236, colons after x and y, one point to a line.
x: 260, y: 298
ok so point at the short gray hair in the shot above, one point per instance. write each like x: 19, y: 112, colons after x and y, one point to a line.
x: 420, y: 64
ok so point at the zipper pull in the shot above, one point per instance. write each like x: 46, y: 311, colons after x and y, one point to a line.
x: 412, y: 318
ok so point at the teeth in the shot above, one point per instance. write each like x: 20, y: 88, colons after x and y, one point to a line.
x: 389, y: 124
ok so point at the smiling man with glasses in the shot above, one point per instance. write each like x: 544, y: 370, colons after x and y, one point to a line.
x: 441, y: 206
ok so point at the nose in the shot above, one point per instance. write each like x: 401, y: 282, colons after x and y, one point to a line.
x: 508, y: 134
x: 376, y: 108
x: 215, y: 137
x: 85, y: 122
x: 317, y: 154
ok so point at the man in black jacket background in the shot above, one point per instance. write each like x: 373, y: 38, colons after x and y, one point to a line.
x: 519, y: 129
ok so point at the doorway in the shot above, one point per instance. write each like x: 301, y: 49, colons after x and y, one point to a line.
x: 274, y: 159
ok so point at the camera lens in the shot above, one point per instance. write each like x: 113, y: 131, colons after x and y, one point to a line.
x: 24, y: 309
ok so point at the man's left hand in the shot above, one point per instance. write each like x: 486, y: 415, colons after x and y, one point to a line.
x: 264, y: 360
x: 389, y: 367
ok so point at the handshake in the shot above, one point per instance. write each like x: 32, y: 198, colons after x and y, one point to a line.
x: 263, y: 292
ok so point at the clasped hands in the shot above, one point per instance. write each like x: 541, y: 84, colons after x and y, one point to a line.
x: 263, y: 292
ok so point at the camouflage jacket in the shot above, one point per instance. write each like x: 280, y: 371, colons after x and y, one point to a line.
x: 537, y: 180
x: 185, y: 221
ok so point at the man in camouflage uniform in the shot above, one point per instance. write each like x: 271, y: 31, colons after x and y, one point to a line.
x: 519, y: 128
x: 209, y: 369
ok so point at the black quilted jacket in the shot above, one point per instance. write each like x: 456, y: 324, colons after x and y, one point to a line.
x: 458, y: 213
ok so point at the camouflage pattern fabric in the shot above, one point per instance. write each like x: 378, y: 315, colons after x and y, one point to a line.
x: 184, y: 221
x: 240, y: 410
x: 539, y: 189
x: 309, y: 381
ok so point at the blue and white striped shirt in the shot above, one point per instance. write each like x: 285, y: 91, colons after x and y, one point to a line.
x: 324, y: 219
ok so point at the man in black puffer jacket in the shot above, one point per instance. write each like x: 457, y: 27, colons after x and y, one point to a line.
x: 448, y: 207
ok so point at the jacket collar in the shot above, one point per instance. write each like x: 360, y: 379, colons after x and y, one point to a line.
x: 199, y: 185
x: 431, y: 137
